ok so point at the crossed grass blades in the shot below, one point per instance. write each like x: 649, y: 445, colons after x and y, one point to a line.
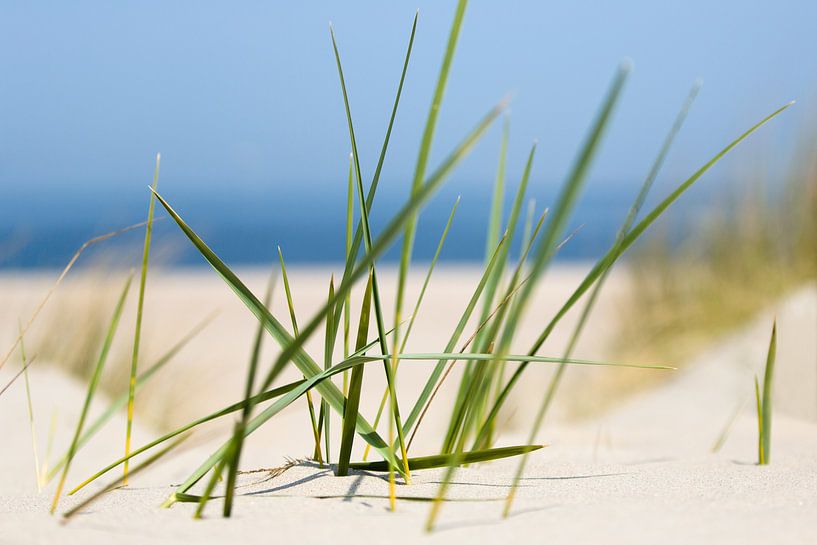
x: 503, y: 293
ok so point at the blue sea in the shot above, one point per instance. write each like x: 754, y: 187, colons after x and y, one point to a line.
x: 244, y: 226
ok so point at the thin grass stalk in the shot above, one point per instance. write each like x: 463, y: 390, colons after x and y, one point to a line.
x: 327, y: 363
x: 238, y: 436
x: 351, y: 256
x: 367, y: 238
x: 137, y: 334
x: 766, y: 405
x: 30, y: 409
x: 353, y: 400
x: 89, y: 396
x: 310, y: 404
x: 347, y: 303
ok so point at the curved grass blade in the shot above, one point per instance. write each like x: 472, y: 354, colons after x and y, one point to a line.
x: 30, y: 409
x: 446, y: 460
x: 355, y: 386
x: 766, y: 404
x: 329, y: 343
x: 89, y: 396
x: 138, y: 329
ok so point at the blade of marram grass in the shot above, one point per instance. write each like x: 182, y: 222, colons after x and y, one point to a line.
x: 761, y: 459
x: 351, y: 255
x: 293, y: 346
x: 367, y: 239
x: 329, y: 343
x: 122, y: 400
x: 119, y: 482
x: 310, y: 404
x: 625, y: 227
x: 138, y: 328
x: 425, y: 153
x: 356, y: 384
x: 347, y: 302
x: 498, y: 199
x: 30, y: 408
x: 89, y: 396
x: 766, y: 412
x: 238, y: 437
x: 562, y: 211
x: 416, y: 310
x: 17, y: 375
x: 633, y: 235
x: 445, y: 460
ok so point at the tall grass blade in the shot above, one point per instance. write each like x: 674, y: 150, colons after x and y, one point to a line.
x: 367, y: 238
x: 89, y: 396
x: 329, y: 344
x: 768, y: 376
x: 310, y: 404
x: 30, y: 408
x: 140, y: 305
x: 238, y: 437
x: 355, y: 386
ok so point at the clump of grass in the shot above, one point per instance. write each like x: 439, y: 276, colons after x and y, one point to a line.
x: 504, y: 294
x: 764, y: 404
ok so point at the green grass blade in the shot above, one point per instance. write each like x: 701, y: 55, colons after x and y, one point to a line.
x: 238, y: 437
x: 122, y: 400
x: 355, y: 386
x: 498, y: 199
x: 30, y: 409
x: 351, y: 255
x: 446, y: 460
x: 347, y: 301
x: 761, y: 459
x: 367, y: 238
x: 316, y: 433
x: 89, y: 396
x: 768, y: 376
x: 140, y: 305
x: 329, y: 344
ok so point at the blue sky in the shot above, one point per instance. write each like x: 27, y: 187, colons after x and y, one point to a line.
x: 243, y: 97
x: 246, y: 93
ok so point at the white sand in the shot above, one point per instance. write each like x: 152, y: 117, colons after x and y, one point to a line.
x: 641, y: 473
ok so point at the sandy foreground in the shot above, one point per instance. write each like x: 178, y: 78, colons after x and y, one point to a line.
x: 640, y: 472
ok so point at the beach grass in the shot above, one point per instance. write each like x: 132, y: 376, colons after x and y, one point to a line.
x: 499, y: 303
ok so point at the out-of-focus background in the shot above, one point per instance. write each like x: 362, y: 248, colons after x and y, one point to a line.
x: 243, y: 103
